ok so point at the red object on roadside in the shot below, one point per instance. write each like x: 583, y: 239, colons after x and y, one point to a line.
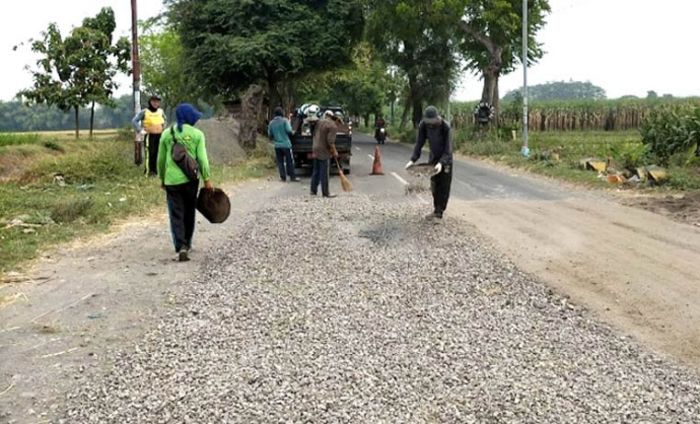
x: 377, y: 164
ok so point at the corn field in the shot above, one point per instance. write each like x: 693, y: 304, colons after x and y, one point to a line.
x: 602, y: 115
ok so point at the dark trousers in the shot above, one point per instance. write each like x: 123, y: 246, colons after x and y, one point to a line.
x: 151, y: 143
x: 440, y: 187
x: 284, y: 159
x: 182, y: 204
x: 320, y: 175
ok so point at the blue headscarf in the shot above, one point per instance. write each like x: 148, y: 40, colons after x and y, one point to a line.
x: 186, y: 114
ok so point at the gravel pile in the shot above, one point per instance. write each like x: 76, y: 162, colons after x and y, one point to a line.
x: 222, y: 139
x: 356, y: 310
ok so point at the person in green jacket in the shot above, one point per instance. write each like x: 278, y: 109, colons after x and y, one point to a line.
x: 181, y: 192
x: 279, y: 131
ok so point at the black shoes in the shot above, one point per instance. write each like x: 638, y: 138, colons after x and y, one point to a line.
x: 330, y: 196
x: 183, y: 255
x: 434, y: 215
x: 295, y: 180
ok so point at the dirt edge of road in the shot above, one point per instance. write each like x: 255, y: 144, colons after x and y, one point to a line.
x: 680, y: 206
x: 627, y: 265
x: 92, y: 295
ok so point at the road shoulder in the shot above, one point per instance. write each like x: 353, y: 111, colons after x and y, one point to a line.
x: 634, y: 269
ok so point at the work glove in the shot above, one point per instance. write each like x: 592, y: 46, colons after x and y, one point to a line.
x: 409, y: 164
x: 438, y: 168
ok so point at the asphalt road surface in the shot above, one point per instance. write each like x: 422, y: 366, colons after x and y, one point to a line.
x: 471, y: 180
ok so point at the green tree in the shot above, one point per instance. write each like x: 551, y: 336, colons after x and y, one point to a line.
x: 571, y: 90
x: 232, y: 44
x: 103, y: 58
x: 77, y: 70
x: 359, y: 88
x: 419, y: 38
x: 492, y: 43
x: 164, y: 67
x: 54, y: 80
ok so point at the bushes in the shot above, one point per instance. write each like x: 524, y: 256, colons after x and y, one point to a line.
x: 672, y: 130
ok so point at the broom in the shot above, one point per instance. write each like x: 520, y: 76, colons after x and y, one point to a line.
x: 344, y: 181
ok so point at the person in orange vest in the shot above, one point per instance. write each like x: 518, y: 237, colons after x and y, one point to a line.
x: 150, y: 122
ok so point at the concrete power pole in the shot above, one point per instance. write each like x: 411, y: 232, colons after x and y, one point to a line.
x: 526, y: 148
x: 136, y: 72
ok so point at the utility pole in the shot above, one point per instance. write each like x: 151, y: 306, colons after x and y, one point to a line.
x: 526, y: 149
x: 136, y: 72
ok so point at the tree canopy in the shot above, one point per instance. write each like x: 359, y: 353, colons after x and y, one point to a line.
x: 79, y: 69
x: 418, y: 37
x: 562, y: 90
x: 164, y: 66
x: 232, y: 44
x: 20, y: 117
x: 360, y: 87
x: 492, y: 39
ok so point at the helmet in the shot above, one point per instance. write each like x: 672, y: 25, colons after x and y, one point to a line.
x: 154, y: 97
x: 312, y: 110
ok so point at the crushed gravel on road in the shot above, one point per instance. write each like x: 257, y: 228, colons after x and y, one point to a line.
x: 356, y: 309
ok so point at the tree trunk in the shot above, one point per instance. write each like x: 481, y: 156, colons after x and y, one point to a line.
x: 404, y: 114
x: 496, y: 102
x: 490, y: 84
x: 287, y: 97
x: 251, y: 107
x: 273, y: 94
x: 417, y: 112
x: 77, y: 121
x: 92, y: 117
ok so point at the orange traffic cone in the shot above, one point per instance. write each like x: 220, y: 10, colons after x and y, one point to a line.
x: 377, y: 165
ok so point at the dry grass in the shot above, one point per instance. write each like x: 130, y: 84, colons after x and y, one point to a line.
x: 7, y: 300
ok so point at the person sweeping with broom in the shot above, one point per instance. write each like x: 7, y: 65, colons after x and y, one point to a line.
x: 434, y: 129
x: 323, y: 149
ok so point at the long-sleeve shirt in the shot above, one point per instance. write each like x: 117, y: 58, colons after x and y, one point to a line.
x: 440, y: 142
x: 279, y: 131
x: 193, y: 140
x: 324, y: 139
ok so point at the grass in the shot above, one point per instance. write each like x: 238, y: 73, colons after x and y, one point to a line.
x: 11, y: 139
x: 81, y: 189
x: 624, y: 148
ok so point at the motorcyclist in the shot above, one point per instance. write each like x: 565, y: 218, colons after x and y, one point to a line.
x: 380, y: 130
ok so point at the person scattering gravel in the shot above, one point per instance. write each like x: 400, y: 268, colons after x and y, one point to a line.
x: 434, y: 129
x: 405, y: 322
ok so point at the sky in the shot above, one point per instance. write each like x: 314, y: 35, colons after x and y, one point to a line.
x: 26, y: 19
x: 624, y: 46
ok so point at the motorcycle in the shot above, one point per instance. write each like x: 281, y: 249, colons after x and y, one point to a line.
x: 380, y: 135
